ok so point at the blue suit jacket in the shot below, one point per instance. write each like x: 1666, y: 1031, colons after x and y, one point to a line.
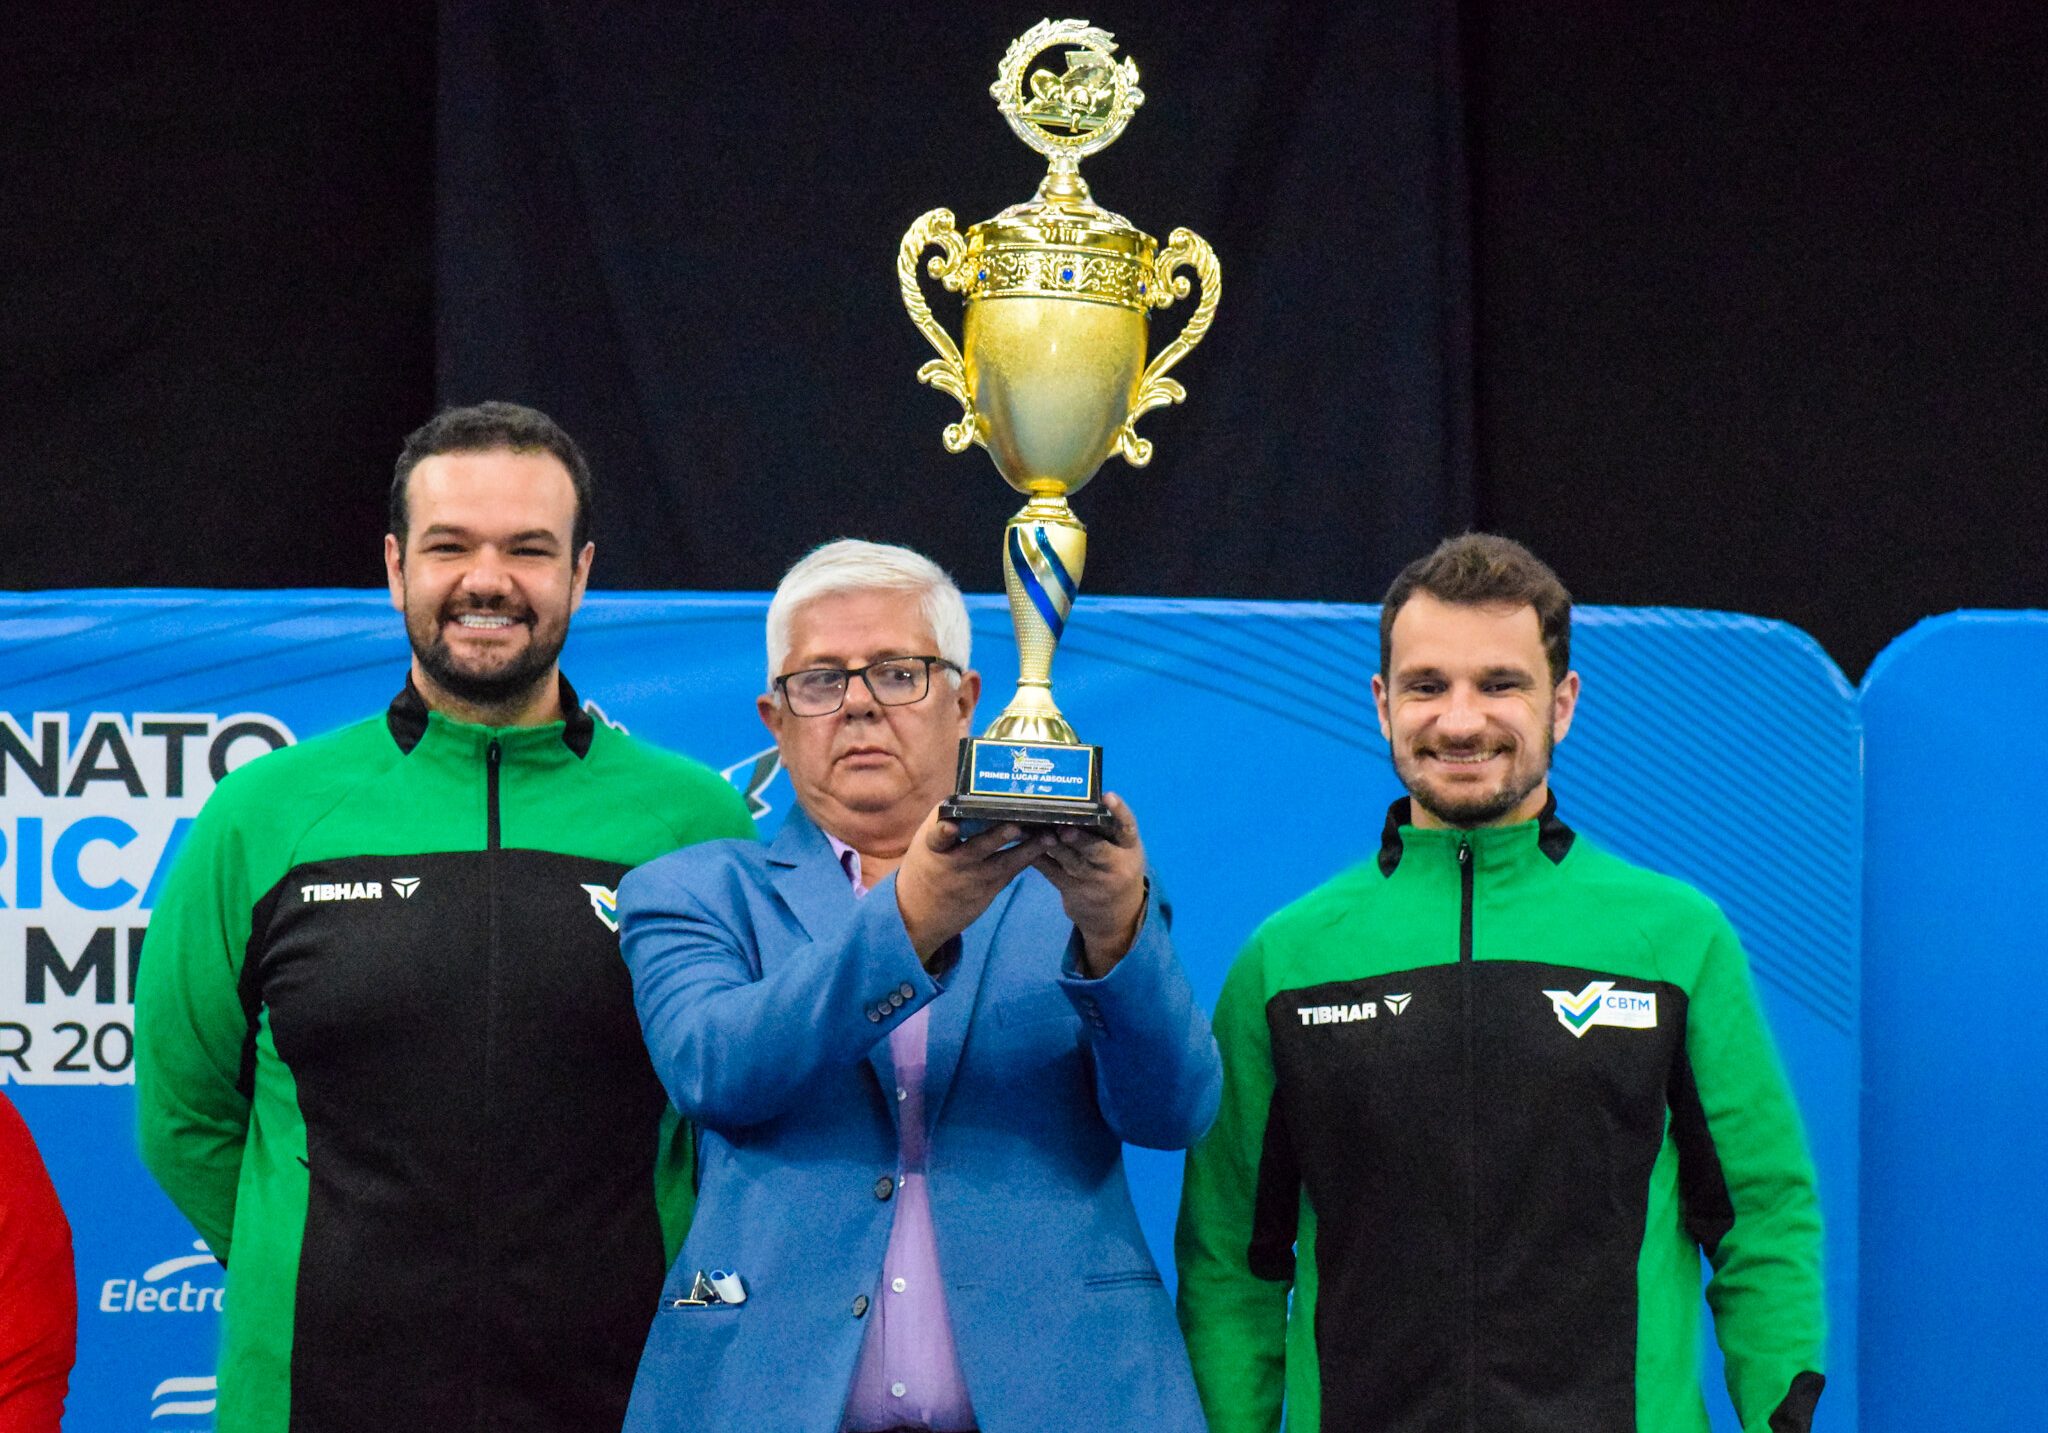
x: 766, y: 992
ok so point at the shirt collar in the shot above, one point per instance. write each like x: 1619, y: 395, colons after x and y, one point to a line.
x: 849, y: 862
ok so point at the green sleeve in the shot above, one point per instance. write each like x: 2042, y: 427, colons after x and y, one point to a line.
x: 702, y: 805
x: 1235, y: 1321
x: 191, y: 1030
x: 1765, y: 1290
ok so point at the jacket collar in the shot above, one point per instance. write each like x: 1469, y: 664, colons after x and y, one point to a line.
x: 1549, y: 833
x: 408, y: 717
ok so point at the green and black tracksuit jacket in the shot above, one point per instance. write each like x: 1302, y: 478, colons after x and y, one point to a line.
x: 1486, y: 1101
x: 388, y: 1065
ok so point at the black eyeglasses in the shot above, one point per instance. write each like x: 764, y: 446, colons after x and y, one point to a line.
x: 893, y: 682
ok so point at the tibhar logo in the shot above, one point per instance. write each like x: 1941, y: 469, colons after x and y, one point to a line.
x: 405, y: 886
x: 1397, y: 1003
x: 605, y: 901
x: 1601, y: 1004
x: 183, y: 1398
x: 342, y: 891
x: 152, y: 1295
x: 1338, y: 1014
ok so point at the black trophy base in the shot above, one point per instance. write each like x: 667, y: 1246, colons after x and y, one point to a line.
x: 1030, y: 783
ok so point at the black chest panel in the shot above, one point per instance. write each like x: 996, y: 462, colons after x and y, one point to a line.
x: 482, y: 1247
x: 1478, y: 1155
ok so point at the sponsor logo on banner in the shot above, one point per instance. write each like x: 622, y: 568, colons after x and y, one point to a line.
x: 182, y: 1398
x: 169, y: 1287
x: 1397, y: 1003
x: 1601, y: 1004
x: 752, y: 775
x: 92, y: 811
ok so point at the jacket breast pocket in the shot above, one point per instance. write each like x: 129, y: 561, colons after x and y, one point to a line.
x: 673, y: 1305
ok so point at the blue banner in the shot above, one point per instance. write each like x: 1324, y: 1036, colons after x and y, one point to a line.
x: 1722, y: 749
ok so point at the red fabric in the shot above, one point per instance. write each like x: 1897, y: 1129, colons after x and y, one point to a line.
x: 38, y: 1294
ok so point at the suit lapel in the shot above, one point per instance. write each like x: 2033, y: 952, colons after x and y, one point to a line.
x: 809, y: 879
x: 812, y: 883
x: 953, y: 1013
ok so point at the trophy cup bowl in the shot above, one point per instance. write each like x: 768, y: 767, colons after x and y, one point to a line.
x: 1052, y: 380
x: 1051, y: 376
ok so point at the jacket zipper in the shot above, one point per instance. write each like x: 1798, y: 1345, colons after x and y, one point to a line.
x: 1465, y: 883
x: 493, y: 758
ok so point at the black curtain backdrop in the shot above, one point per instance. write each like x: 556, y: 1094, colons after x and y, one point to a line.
x: 676, y: 228
x: 1762, y: 298
x: 216, y: 288
x: 1750, y: 315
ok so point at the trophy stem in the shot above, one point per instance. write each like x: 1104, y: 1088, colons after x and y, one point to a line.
x: 1044, y: 548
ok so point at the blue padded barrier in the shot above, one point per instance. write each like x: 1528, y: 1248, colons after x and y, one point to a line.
x: 1955, y: 1290
x: 1722, y: 749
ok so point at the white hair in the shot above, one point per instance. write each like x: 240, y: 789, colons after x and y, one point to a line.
x: 851, y: 565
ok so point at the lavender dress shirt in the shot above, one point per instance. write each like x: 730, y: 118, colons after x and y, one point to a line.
x: 909, y: 1370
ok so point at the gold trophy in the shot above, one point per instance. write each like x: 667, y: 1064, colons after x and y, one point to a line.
x: 1052, y: 376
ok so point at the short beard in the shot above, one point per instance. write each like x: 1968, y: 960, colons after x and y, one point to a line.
x: 1480, y: 810
x: 503, y: 689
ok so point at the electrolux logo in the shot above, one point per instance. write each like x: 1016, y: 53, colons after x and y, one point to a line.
x: 154, y: 1293
x: 183, y: 1398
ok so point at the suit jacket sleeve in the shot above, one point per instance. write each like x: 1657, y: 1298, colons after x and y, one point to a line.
x: 736, y: 1032
x: 1157, y: 1074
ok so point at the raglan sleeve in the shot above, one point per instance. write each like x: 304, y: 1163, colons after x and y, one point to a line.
x: 1235, y: 1243
x: 192, y: 1030
x: 1747, y: 1187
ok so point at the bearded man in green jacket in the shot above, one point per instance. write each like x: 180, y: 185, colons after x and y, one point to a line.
x: 386, y: 1056
x: 1490, y: 1096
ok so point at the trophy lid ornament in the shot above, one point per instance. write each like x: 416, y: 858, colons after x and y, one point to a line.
x: 1067, y: 116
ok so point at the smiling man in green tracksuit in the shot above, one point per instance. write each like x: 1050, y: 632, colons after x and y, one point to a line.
x: 386, y: 1055
x: 1488, y: 1097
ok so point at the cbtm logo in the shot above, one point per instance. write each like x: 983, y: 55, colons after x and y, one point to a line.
x: 1601, y: 1004
x: 154, y: 1293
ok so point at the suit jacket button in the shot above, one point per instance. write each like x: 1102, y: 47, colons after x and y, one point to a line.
x: 875, y: 1017
x: 860, y: 1305
x: 884, y: 1188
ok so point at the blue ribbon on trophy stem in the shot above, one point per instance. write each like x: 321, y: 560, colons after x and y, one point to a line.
x: 1033, y: 567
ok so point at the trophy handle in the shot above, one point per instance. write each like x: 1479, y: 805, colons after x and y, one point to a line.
x: 947, y: 372
x: 1184, y: 249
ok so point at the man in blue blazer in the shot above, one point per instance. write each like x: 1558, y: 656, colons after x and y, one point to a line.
x: 913, y: 1061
